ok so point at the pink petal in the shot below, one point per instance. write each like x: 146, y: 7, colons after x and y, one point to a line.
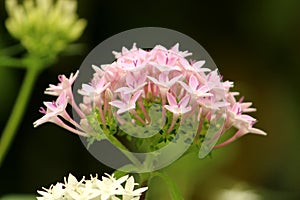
x: 125, y: 97
x: 187, y: 109
x: 161, y: 58
x: 125, y: 90
x: 172, y: 60
x: 175, y: 48
x: 153, y: 80
x: 199, y: 64
x: 62, y: 99
x: 193, y: 82
x: 50, y: 106
x: 101, y: 83
x: 170, y: 108
x: 124, y: 50
x: 130, y: 80
x: 171, y: 99
x: 257, y: 131
x: 184, y: 101
x: 174, y: 80
x: 136, y: 96
x: 185, y: 86
x: 163, y: 78
x: 118, y: 104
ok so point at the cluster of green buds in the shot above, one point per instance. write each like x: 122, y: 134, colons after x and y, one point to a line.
x: 44, y: 27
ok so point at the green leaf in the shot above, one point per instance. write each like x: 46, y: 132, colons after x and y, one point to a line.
x: 19, y: 197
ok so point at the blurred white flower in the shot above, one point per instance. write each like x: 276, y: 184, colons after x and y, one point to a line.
x: 238, y: 192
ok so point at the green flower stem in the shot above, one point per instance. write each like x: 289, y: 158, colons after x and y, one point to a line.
x: 17, y: 112
x: 127, y: 153
x: 12, y: 50
x: 6, y: 61
x: 173, y: 189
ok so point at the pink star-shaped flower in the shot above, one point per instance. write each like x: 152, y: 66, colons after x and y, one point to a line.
x: 163, y: 81
x: 53, y: 109
x: 195, y: 89
x: 95, y: 89
x: 65, y: 84
x: 178, y: 108
x: 127, y: 102
x: 134, y: 83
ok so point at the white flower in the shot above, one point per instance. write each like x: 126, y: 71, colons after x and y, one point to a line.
x: 238, y: 193
x: 109, y: 188
x: 132, y: 194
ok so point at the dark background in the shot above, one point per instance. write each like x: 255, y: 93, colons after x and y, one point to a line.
x: 254, y: 43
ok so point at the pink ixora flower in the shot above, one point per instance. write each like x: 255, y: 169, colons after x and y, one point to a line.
x: 139, y: 79
x: 55, y: 110
x: 178, y: 108
x: 94, y: 90
x: 65, y: 84
x: 134, y: 83
x: 163, y: 82
x: 127, y: 102
x: 195, y: 88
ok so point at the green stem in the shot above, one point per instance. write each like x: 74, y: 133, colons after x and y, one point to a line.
x: 12, y: 50
x: 127, y: 153
x: 17, y: 112
x: 7, y: 61
x: 173, y: 189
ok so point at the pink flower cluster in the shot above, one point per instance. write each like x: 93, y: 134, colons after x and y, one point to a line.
x: 139, y: 77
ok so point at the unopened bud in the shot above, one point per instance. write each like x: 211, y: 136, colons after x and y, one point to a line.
x: 108, y: 94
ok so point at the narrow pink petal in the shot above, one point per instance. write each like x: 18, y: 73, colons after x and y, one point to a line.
x: 186, y: 109
x: 153, y: 79
x: 185, y: 86
x: 174, y: 80
x: 73, y: 78
x: 101, y: 83
x: 86, y: 90
x: 175, y: 48
x: 170, y: 108
x: 122, y: 110
x: 172, y: 60
x: 142, y: 78
x: 247, y: 118
x: 130, y: 80
x: 50, y: 105
x: 118, y: 104
x: 163, y: 78
x: 161, y: 58
x: 62, y: 99
x: 184, y: 101
x: 136, y: 96
x: 123, y: 90
x: 193, y: 82
x: 125, y: 97
x: 171, y: 99
x: 199, y: 64
x: 257, y: 131
x: 124, y: 50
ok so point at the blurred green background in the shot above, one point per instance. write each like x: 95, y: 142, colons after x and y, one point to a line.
x: 254, y: 43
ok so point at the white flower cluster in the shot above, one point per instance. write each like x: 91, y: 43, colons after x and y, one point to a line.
x: 109, y: 188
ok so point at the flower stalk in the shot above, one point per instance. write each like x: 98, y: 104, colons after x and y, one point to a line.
x: 17, y: 112
x: 45, y: 29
